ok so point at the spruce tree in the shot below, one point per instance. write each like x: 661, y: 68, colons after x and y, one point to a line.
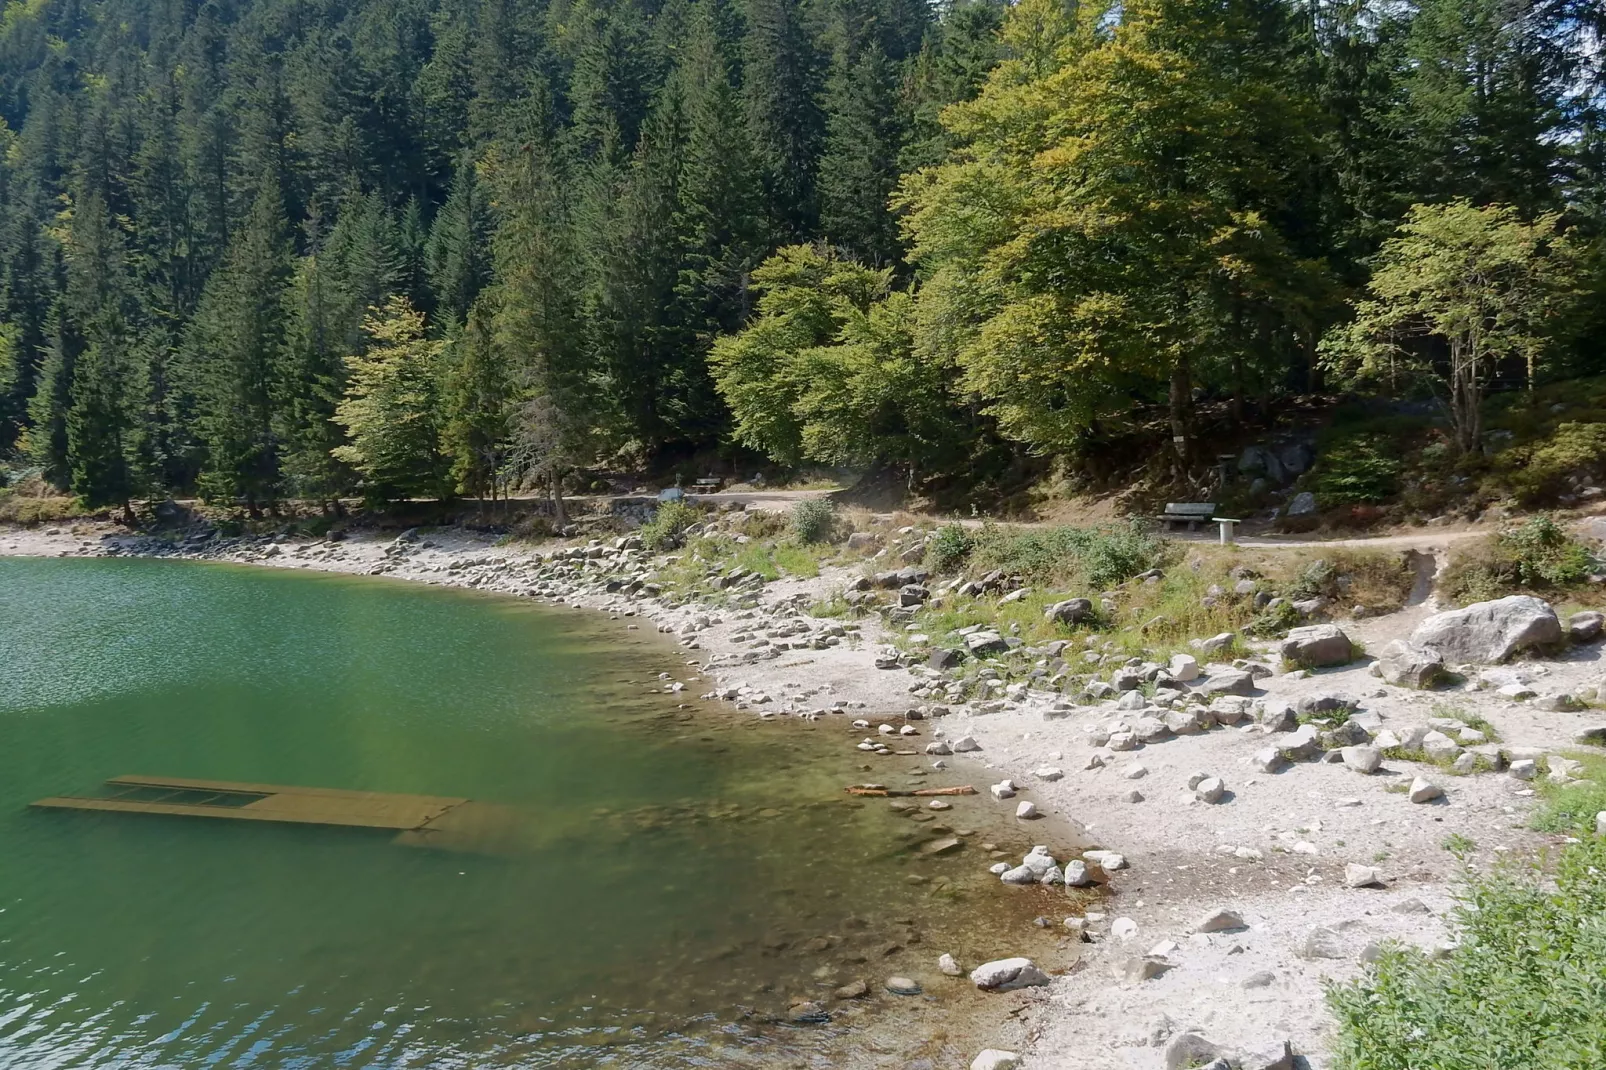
x: 236, y: 358
x: 859, y: 166
x: 459, y: 254
x: 101, y: 427
x: 780, y: 87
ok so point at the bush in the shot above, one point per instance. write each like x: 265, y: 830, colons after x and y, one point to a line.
x: 1101, y: 557
x: 1360, y: 468
x: 1572, y: 449
x: 1537, y: 555
x: 668, y: 525
x: 813, y: 520
x: 1525, y: 990
x: 949, y: 548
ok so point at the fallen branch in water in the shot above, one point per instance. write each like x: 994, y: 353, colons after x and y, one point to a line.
x: 881, y: 790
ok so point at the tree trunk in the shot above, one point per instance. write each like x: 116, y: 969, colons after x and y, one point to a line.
x: 1181, y: 403
x: 559, y: 517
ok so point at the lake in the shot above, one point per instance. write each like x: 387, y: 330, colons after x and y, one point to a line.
x: 648, y: 880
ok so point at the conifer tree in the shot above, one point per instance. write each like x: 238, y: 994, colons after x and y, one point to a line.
x: 101, y: 428
x: 478, y: 398
x: 236, y: 357
x: 459, y: 246
x: 859, y: 166
x: 780, y: 87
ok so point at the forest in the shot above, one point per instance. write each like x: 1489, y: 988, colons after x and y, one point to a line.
x: 266, y: 249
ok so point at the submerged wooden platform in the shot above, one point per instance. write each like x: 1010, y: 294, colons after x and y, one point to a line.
x: 261, y: 802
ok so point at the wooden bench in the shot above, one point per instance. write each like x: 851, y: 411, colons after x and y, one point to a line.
x: 1191, y: 513
x: 708, y: 484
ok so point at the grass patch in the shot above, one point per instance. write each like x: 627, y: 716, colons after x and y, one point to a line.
x: 1525, y: 990
x: 1571, y: 808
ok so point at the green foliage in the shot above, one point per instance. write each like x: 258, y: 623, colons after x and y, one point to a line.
x: 1522, y: 990
x: 1536, y: 555
x: 813, y: 520
x: 1571, y: 808
x: 391, y: 410
x: 1357, y: 468
x: 1572, y: 449
x: 828, y: 370
x: 949, y: 548
x: 1107, y: 227
x: 1099, y: 556
x: 1479, y: 284
x: 668, y: 525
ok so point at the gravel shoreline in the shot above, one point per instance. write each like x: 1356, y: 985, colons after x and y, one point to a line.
x: 1279, y: 851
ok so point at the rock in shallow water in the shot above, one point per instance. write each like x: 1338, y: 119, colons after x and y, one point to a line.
x: 1006, y: 975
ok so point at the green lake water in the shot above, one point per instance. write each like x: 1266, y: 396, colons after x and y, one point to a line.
x: 648, y: 880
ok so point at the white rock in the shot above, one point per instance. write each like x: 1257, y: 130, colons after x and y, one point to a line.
x: 1026, y: 810
x: 1184, y: 668
x: 1076, y: 874
x: 1050, y: 773
x: 1123, y: 928
x: 995, y: 1059
x: 1440, y: 747
x: 1359, y: 876
x: 1039, y: 860
x: 1134, y: 772
x: 1268, y: 760
x: 1218, y: 921
x: 1211, y: 790
x: 947, y: 964
x: 1362, y: 759
x: 1423, y: 790
x: 966, y: 744
x: 1600, y: 823
x: 1004, y: 975
x: 998, y: 869
x: 1524, y: 769
x: 1004, y: 789
x: 1109, y: 861
x: 1489, y: 632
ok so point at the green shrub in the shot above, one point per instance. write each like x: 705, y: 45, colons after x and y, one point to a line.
x: 813, y: 520
x: 1359, y: 468
x: 1573, y: 448
x: 1101, y: 557
x: 1545, y: 555
x: 1537, y: 555
x: 949, y: 548
x: 1525, y: 990
x: 668, y: 525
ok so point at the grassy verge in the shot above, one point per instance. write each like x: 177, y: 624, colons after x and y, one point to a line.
x: 1200, y: 590
x: 1571, y: 808
x: 1525, y: 989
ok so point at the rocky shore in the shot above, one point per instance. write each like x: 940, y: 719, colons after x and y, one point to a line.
x: 1277, y: 817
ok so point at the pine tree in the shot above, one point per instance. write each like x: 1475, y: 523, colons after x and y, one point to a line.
x: 459, y: 254
x: 236, y: 357
x: 101, y: 428
x: 859, y: 166
x: 478, y: 398
x: 780, y: 86
x: 316, y: 343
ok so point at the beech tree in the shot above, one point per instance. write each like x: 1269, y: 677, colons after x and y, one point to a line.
x: 1458, y: 292
x: 391, y: 410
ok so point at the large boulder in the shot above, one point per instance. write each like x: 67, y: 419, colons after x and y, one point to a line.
x: 1405, y: 665
x: 1317, y: 646
x: 1489, y: 632
x: 1070, y: 611
x: 1585, y: 626
x: 1227, y: 682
